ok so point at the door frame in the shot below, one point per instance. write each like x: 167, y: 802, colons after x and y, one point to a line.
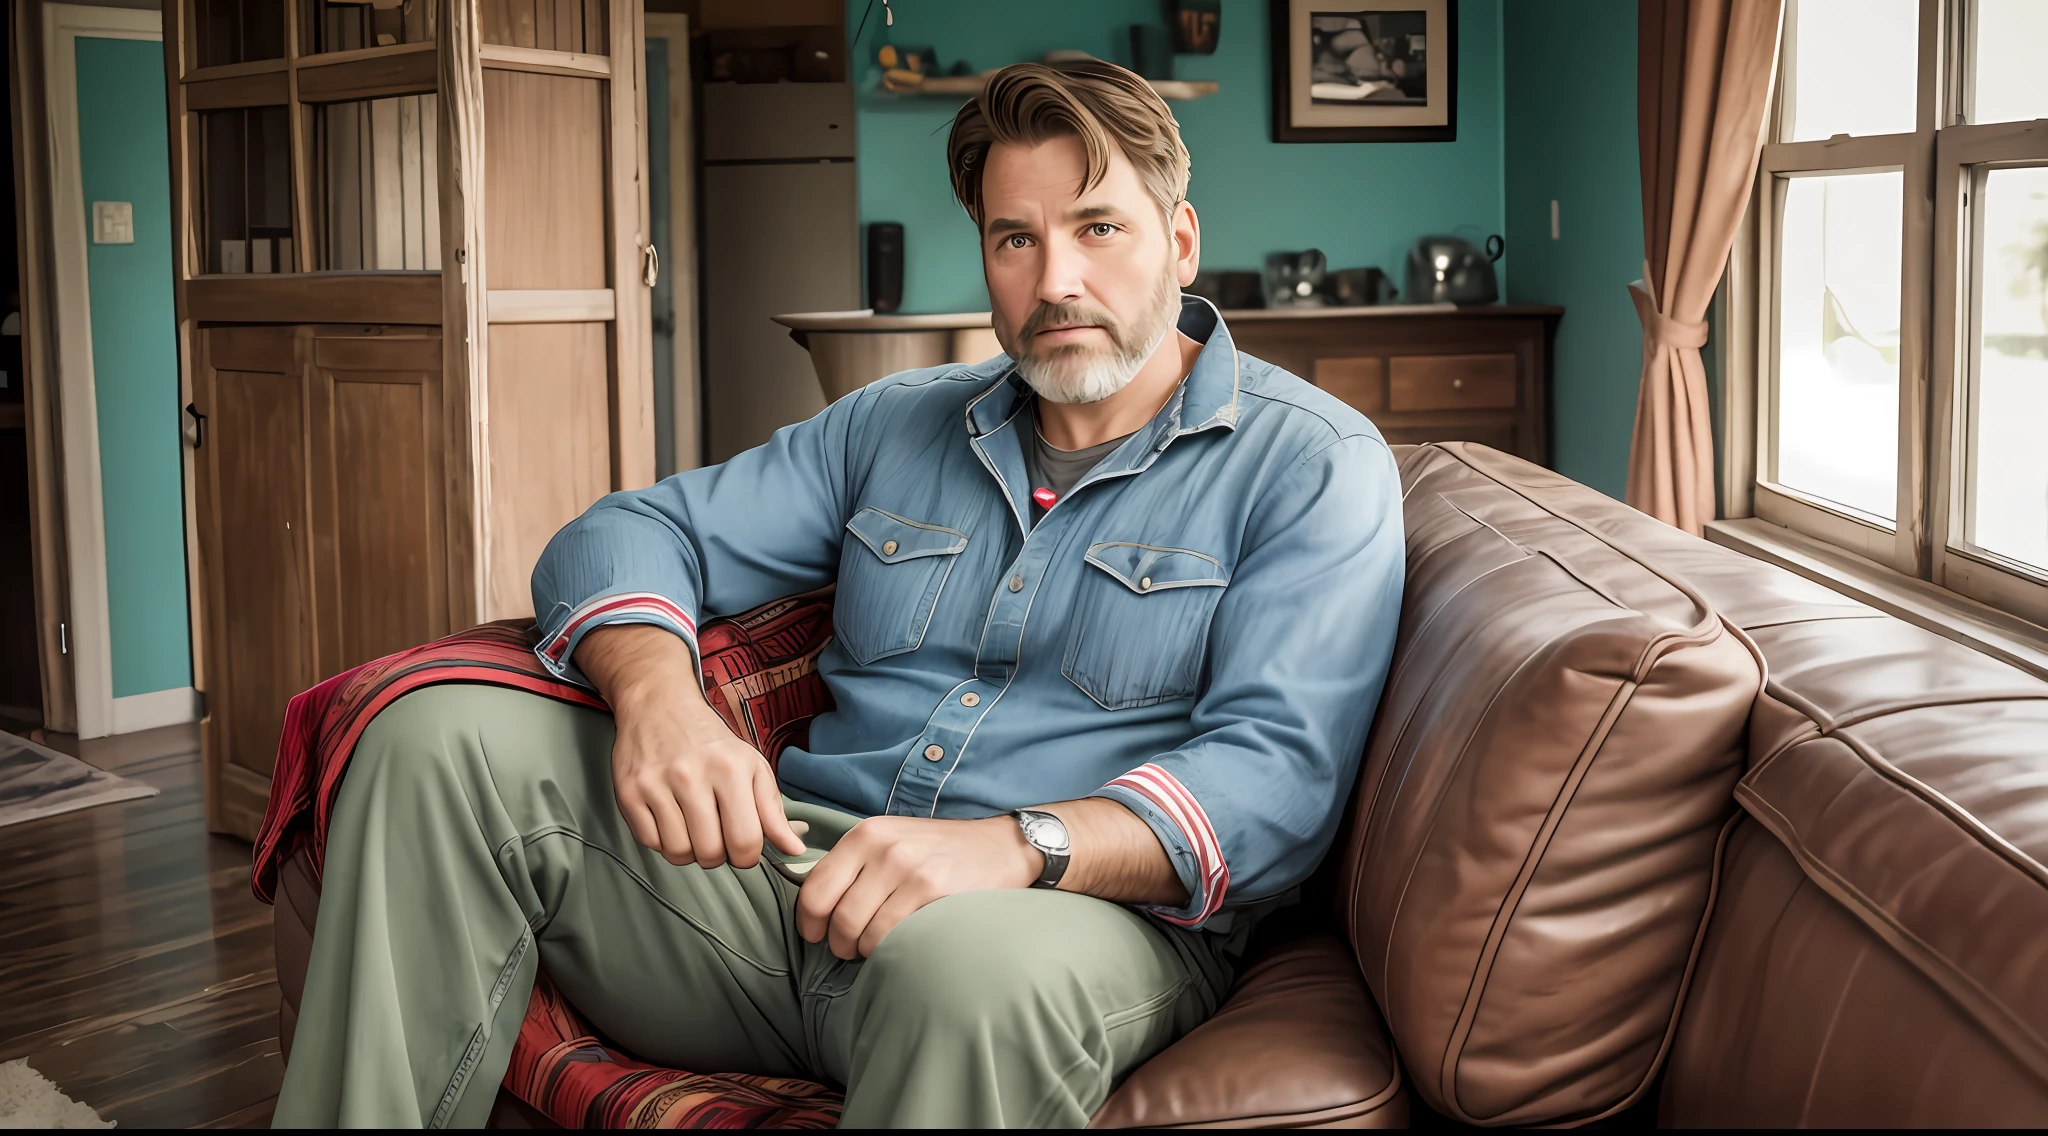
x: 686, y: 401
x: 90, y: 638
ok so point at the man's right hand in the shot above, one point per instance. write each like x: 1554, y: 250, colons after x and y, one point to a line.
x: 687, y: 786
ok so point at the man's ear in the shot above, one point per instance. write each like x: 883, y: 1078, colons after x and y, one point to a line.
x: 1185, y: 230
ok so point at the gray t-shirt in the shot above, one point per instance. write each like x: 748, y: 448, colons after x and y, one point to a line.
x: 1050, y: 467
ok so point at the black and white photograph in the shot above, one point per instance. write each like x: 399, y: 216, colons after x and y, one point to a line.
x: 1364, y: 70
x: 1378, y: 57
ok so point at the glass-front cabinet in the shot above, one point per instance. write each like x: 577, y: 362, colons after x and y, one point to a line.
x: 413, y: 323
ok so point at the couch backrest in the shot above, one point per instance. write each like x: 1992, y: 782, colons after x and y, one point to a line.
x: 1878, y: 951
x: 1531, y: 857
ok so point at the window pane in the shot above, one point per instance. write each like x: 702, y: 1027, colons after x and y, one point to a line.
x: 1855, y: 67
x: 2010, y: 85
x: 2008, y: 498
x: 1838, y: 339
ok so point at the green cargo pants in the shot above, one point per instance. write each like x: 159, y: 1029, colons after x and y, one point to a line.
x: 476, y: 839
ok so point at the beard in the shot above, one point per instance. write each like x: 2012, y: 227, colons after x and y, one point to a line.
x: 1078, y: 373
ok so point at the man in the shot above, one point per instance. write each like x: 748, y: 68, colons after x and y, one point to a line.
x: 1113, y: 612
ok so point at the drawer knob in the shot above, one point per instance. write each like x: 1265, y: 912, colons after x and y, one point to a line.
x: 1457, y: 384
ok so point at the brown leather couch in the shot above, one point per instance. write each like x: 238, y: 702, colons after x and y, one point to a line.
x: 1646, y: 830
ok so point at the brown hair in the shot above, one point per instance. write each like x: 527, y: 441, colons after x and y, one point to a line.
x: 1101, y: 103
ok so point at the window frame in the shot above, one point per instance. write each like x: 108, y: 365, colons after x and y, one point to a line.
x: 1943, y: 161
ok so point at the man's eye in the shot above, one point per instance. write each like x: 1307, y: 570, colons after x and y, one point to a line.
x: 1101, y: 229
x: 1016, y: 241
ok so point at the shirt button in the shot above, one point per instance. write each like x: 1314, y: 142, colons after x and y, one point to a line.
x: 933, y: 752
x: 888, y: 548
x: 970, y: 699
x: 1016, y: 583
x: 1145, y: 585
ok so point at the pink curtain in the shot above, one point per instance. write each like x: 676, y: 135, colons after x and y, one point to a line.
x: 1703, y: 84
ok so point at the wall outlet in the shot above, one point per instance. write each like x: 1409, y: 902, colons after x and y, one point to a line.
x: 113, y: 222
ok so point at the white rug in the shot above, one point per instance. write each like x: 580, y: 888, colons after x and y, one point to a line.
x: 37, y: 781
x: 29, y: 1100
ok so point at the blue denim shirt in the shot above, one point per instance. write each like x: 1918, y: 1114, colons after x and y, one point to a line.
x: 1199, y: 630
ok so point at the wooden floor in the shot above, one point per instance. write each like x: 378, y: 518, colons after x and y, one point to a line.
x: 135, y: 966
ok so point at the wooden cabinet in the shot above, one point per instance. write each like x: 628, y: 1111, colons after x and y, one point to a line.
x: 379, y: 516
x: 412, y: 287
x: 322, y: 516
x: 250, y: 457
x: 1422, y: 374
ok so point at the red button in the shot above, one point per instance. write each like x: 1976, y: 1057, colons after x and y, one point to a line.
x: 1044, y: 497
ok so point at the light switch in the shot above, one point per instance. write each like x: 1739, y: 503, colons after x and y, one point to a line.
x: 113, y: 222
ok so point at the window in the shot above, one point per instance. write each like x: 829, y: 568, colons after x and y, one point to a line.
x: 1898, y: 286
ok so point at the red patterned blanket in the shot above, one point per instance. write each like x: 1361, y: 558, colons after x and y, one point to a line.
x: 760, y: 673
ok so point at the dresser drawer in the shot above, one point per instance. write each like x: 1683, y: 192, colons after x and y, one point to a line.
x: 1360, y: 382
x: 1451, y: 382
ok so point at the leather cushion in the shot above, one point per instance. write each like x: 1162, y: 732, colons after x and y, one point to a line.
x: 1299, y: 1044
x: 1800, y: 1016
x: 1531, y: 859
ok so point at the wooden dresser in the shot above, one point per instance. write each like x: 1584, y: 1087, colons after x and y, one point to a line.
x: 1422, y: 374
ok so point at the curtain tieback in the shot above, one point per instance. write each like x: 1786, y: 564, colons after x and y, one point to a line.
x: 1661, y: 329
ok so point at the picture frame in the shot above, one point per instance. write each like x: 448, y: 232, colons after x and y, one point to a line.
x: 1364, y: 70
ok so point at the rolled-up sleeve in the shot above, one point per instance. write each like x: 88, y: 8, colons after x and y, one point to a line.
x: 716, y: 540
x: 1298, y: 651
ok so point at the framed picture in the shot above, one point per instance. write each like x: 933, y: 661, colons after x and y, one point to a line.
x: 1365, y: 70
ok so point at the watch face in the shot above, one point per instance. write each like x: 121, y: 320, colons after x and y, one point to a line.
x: 1044, y: 832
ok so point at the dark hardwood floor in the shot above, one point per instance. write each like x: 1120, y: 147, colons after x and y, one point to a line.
x: 135, y: 966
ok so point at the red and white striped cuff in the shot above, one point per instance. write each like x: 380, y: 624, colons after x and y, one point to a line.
x: 1172, y: 798
x: 625, y: 606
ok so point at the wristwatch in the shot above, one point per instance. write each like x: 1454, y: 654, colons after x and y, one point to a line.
x: 1045, y: 832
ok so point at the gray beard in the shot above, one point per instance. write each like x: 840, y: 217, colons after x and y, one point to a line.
x: 1071, y: 375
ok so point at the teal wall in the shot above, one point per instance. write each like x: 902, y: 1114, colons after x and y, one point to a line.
x: 1360, y: 203
x: 124, y: 157
x: 1570, y: 69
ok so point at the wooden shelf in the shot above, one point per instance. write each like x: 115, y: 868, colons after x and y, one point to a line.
x: 576, y: 64
x: 330, y: 58
x: 315, y: 297
x: 377, y: 73
x: 234, y: 70
x: 968, y: 86
x: 262, y: 88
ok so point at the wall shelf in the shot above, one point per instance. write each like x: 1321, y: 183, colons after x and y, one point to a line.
x: 968, y: 86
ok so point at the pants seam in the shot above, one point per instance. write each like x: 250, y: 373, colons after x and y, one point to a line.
x: 710, y: 934
x: 479, y: 1039
x: 1143, y: 1011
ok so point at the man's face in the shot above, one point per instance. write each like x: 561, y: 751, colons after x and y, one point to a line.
x: 1083, y: 289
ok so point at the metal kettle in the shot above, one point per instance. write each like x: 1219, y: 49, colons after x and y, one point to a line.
x: 1449, y: 269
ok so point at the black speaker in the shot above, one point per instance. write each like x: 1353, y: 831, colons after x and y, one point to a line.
x: 885, y: 266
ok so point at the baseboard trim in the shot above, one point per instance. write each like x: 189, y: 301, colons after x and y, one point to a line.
x: 157, y: 708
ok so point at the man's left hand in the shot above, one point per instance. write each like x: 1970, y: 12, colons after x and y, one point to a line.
x: 888, y: 867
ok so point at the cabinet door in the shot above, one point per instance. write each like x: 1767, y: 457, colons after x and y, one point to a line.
x: 251, y: 463
x: 380, y: 570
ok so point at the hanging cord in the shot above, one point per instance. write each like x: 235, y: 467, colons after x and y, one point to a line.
x: 888, y: 20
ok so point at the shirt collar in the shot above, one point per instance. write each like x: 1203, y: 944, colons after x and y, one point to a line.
x: 1207, y: 397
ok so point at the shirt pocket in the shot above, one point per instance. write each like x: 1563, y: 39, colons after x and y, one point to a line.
x: 1141, y: 623
x: 890, y: 576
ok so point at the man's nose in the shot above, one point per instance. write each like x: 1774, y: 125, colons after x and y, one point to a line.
x: 1060, y: 278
